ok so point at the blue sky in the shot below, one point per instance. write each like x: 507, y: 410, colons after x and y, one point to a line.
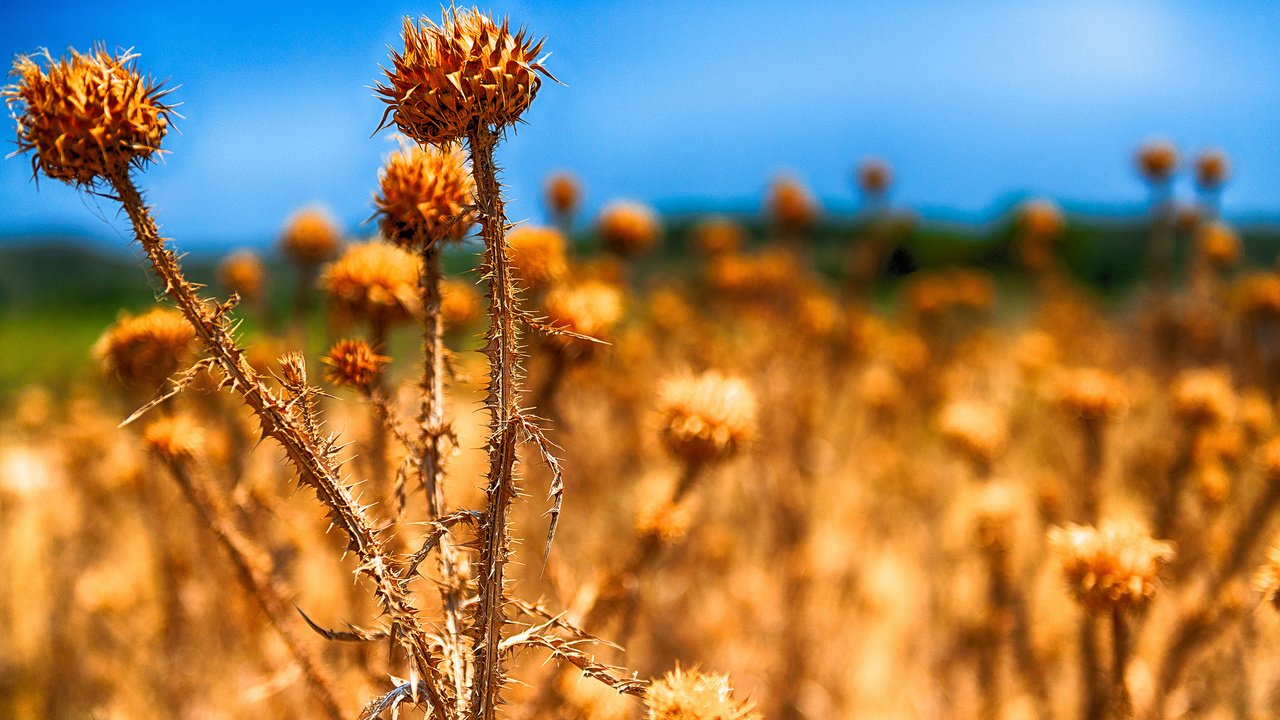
x: 690, y: 105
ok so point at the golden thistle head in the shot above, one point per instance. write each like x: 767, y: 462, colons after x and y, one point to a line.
x: 459, y: 302
x: 374, y: 280
x: 978, y: 430
x: 592, y: 308
x: 791, y: 205
x: 423, y: 197
x: 310, y: 236
x: 465, y: 73
x: 694, y: 695
x: 88, y: 116
x: 1203, y: 397
x: 1092, y: 394
x: 1269, y: 460
x: 628, y: 228
x: 1266, y: 579
x: 1112, y: 567
x: 174, y: 438
x: 706, y: 417
x: 1257, y: 417
x: 1157, y: 160
x: 880, y: 389
x: 718, y: 236
x: 1041, y: 219
x: 537, y: 254
x: 563, y: 194
x: 144, y: 350
x: 242, y: 273
x: 352, y: 363
x: 1212, y: 169
x: 874, y: 177
x: 1218, y: 244
x: 995, y: 514
x: 1258, y: 293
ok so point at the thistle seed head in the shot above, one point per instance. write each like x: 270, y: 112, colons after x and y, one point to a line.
x: 1212, y: 169
x: 87, y: 116
x: 537, y: 254
x: 628, y: 228
x: 695, y: 695
x: 310, y: 236
x: 174, y: 438
x: 465, y: 73
x: 423, y: 196
x: 706, y: 417
x: 563, y: 193
x: 374, y: 280
x: 1157, y: 160
x: 353, y: 363
x: 242, y: 273
x: 1114, y: 566
x: 143, y: 350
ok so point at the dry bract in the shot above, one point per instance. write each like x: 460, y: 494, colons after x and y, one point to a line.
x: 88, y: 116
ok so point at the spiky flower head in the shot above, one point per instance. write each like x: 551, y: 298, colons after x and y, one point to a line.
x: 1041, y: 219
x: 977, y: 429
x: 705, y: 417
x: 1113, y: 566
x: 353, y: 363
x: 537, y: 254
x: 592, y: 308
x: 459, y: 302
x: 718, y: 236
x: 1203, y: 396
x: 423, y: 197
x: 563, y: 193
x: 143, y: 350
x: 310, y: 236
x: 1266, y: 579
x: 177, y: 437
x: 88, y: 116
x: 1157, y: 161
x: 1258, y: 293
x: 242, y: 273
x: 1218, y: 244
x: 694, y: 695
x: 874, y: 177
x: 791, y: 205
x: 374, y: 280
x: 465, y: 73
x: 628, y: 228
x: 1212, y: 169
x: 1092, y: 394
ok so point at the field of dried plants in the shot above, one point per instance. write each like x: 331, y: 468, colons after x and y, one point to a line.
x: 567, y: 483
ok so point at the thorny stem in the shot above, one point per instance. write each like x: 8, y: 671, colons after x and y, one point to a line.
x: 1091, y: 470
x: 377, y: 429
x: 503, y: 352
x: 309, y: 454
x: 251, y: 564
x: 1093, y: 696
x: 431, y: 455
